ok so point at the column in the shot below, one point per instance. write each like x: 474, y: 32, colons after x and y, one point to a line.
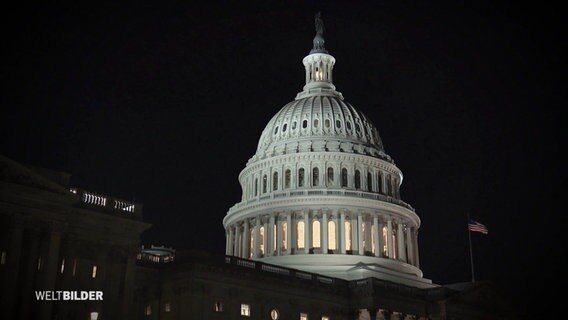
x: 50, y: 271
x: 226, y: 242
x: 256, y: 240
x: 400, y: 240
x: 237, y: 240
x: 230, y: 249
x: 390, y: 249
x: 270, y: 233
x: 377, y: 242
x: 410, y: 245
x: 278, y: 237
x: 323, y: 232
x: 246, y: 239
x: 307, y: 226
x: 266, y: 237
x: 12, y: 268
x: 360, y: 233
x: 342, y: 232
x: 289, y: 233
x: 354, y: 228
x: 416, y: 252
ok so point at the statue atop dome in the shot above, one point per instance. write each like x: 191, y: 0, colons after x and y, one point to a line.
x: 319, y: 42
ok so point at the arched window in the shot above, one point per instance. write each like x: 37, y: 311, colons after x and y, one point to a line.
x: 264, y: 182
x: 287, y: 179
x: 338, y: 124
x: 301, y: 177
x: 344, y: 178
x: 300, y: 232
x: 284, y: 127
x: 275, y: 181
x: 305, y: 124
x: 276, y: 130
x: 316, y: 123
x: 316, y: 243
x: 369, y: 181
x: 330, y: 176
x: 357, y: 179
x: 256, y: 187
x: 327, y: 123
x: 331, y: 236
x: 315, y: 177
x: 261, y: 240
x: 347, y: 235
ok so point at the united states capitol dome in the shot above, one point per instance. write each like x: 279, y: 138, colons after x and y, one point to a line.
x: 320, y: 194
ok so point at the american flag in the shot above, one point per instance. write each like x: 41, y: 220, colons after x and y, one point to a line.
x: 477, y: 227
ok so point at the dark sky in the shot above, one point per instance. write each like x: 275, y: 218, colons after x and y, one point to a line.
x: 164, y: 104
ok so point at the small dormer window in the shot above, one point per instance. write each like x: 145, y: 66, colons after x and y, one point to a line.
x: 284, y: 127
x: 276, y: 130
x: 305, y: 124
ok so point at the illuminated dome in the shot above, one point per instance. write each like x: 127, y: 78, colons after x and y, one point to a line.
x: 320, y: 194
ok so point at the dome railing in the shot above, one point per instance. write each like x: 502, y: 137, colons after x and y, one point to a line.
x: 322, y: 192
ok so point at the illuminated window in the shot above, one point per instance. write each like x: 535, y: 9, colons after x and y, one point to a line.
x: 94, y: 316
x: 274, y: 315
x: 316, y: 234
x: 315, y: 177
x: 385, y: 245
x: 261, y: 240
x: 301, y: 242
x: 62, y: 268
x: 357, y: 179
x: 168, y: 307
x: 344, y: 178
x: 94, y: 272
x: 275, y: 181
x: 264, y: 183
x: 39, y: 263
x: 284, y: 235
x: 329, y: 176
x: 148, y: 310
x: 3, y: 258
x: 324, y: 318
x: 373, y: 240
x: 301, y: 177
x: 303, y: 316
x: 251, y: 243
x: 331, y: 236
x: 287, y: 175
x: 348, y: 235
x: 369, y: 181
x: 245, y: 310
x: 274, y: 238
x: 218, y: 306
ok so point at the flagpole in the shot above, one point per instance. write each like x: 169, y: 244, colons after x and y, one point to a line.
x: 470, y: 250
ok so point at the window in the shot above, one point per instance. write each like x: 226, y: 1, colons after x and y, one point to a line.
x: 94, y: 272
x: 357, y: 128
x: 305, y: 124
x: 245, y: 310
x: 316, y: 123
x: 300, y: 233
x: 385, y: 245
x: 39, y: 263
x: 284, y: 127
x: 389, y: 185
x: 327, y: 123
x: 380, y: 182
x: 348, y: 125
x: 168, y: 307
x: 329, y: 176
x: 275, y: 181
x: 94, y: 316
x: 338, y: 124
x: 315, y: 177
x: 256, y: 187
x: 74, y: 267
x: 294, y: 125
x: 369, y: 181
x: 301, y: 177
x: 331, y: 235
x: 287, y: 179
x: 276, y: 130
x: 148, y: 310
x: 218, y: 306
x: 324, y: 318
x: 264, y: 183
x: 284, y: 235
x: 344, y: 178
x: 348, y: 235
x: 62, y: 268
x: 316, y: 234
x: 303, y: 316
x: 3, y: 258
x: 274, y: 315
x: 261, y: 240
x: 274, y: 237
x: 357, y: 179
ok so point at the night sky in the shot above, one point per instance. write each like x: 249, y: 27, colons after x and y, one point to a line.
x: 164, y: 104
